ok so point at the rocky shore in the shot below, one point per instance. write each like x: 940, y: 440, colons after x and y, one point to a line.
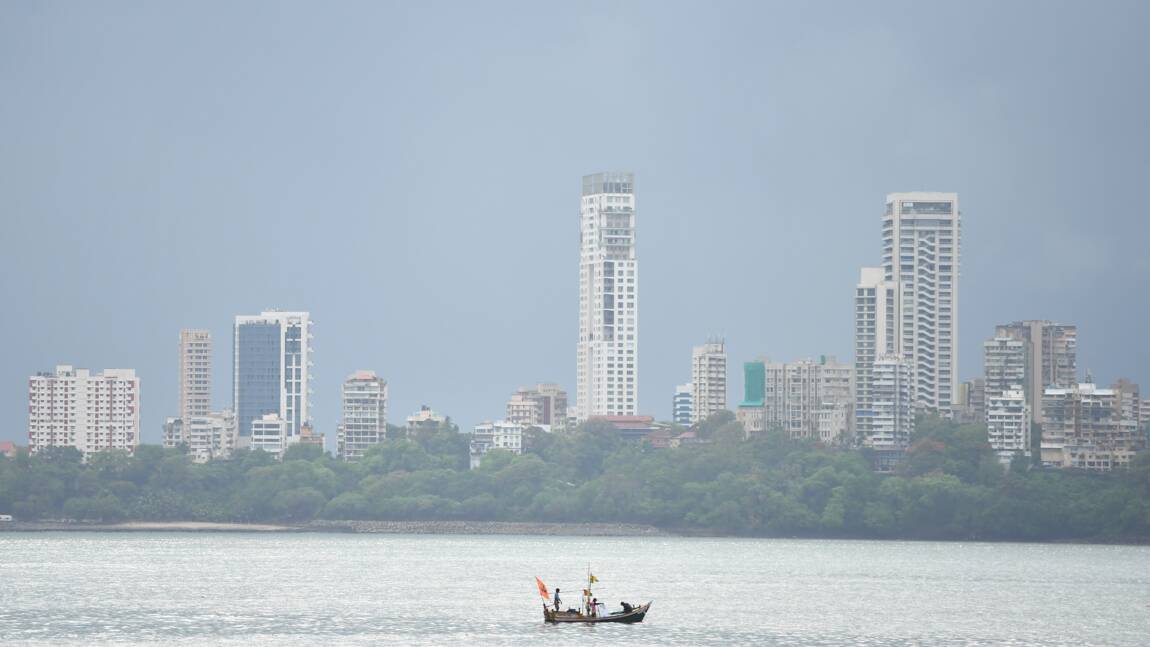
x: 358, y: 527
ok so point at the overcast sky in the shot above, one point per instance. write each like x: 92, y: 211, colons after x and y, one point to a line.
x: 410, y: 173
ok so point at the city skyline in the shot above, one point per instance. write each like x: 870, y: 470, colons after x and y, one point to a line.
x: 727, y: 166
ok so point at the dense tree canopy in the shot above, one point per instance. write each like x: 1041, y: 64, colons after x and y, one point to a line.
x: 950, y: 486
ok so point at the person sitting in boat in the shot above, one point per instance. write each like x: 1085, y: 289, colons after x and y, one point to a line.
x: 557, y: 600
x: 626, y: 607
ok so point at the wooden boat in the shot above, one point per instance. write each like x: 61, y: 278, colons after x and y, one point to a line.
x: 588, y: 612
x: 636, y: 614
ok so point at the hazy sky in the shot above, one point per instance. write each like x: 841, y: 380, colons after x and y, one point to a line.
x: 410, y: 174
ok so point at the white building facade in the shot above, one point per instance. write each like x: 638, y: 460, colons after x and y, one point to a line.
x: 708, y: 380
x: 504, y: 435
x: 876, y: 335
x: 363, y: 422
x: 72, y: 407
x: 892, y: 405
x: 272, y: 434
x: 1008, y: 423
x: 921, y: 234
x: 206, y: 437
x: 607, y: 370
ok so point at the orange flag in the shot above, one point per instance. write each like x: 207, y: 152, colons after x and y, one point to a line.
x: 542, y: 589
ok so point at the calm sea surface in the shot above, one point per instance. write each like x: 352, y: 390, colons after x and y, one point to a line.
x: 307, y: 589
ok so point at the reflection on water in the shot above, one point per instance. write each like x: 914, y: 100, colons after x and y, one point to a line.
x: 95, y: 588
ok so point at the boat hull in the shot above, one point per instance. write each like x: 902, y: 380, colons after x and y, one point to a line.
x: 634, y: 615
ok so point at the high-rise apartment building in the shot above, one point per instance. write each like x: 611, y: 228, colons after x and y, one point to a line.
x: 921, y: 234
x: 1051, y: 357
x: 195, y: 373
x: 1004, y: 365
x: 608, y: 352
x: 364, y: 418
x: 1008, y: 423
x: 708, y: 380
x: 72, y: 407
x: 892, y: 409
x: 876, y: 335
x: 272, y: 357
x: 1091, y: 428
x: 681, y: 405
x: 544, y: 405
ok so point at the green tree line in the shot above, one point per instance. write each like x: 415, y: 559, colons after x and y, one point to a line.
x: 951, y: 486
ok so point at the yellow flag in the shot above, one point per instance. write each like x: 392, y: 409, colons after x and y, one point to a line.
x: 594, y: 579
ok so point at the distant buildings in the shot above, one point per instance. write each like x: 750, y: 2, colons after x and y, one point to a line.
x: 892, y: 411
x: 363, y: 422
x: 72, y: 407
x: 876, y: 335
x: 804, y: 399
x: 424, y: 420
x: 708, y: 380
x: 544, y: 405
x: 607, y: 370
x: 206, y: 434
x: 272, y: 434
x: 272, y: 364
x: 681, y: 405
x: 1008, y: 424
x: 206, y: 437
x: 195, y: 373
x: 1092, y: 428
x: 631, y: 428
x: 1049, y: 358
x: 504, y: 435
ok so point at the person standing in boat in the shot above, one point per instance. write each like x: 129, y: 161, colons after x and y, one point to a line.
x: 557, y: 600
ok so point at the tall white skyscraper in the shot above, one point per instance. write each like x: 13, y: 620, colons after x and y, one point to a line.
x: 195, y: 373
x: 273, y: 371
x: 364, y: 421
x: 708, y: 380
x: 608, y: 354
x: 921, y: 234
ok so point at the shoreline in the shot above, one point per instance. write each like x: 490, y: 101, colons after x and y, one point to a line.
x: 354, y: 527
x: 529, y: 528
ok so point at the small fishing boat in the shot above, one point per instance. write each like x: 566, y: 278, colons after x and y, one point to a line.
x: 590, y: 611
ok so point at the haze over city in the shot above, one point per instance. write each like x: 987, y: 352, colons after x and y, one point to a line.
x: 409, y: 176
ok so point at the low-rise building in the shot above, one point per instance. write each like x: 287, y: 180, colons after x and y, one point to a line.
x: 501, y: 434
x: 270, y: 433
x: 544, y: 405
x: 424, y: 420
x: 206, y: 438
